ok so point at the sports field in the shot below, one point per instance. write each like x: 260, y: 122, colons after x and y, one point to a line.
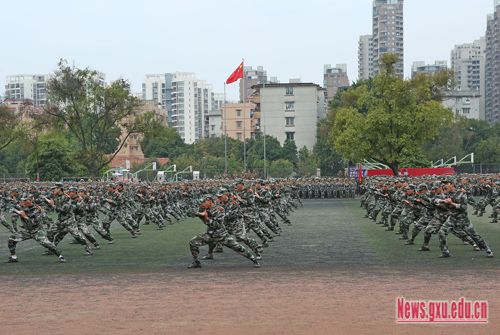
x: 332, y: 272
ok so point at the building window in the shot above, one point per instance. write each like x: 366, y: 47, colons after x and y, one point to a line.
x: 290, y: 135
x: 239, y: 136
x: 289, y: 90
x: 238, y: 113
x: 238, y: 124
x: 289, y: 105
x: 290, y: 121
x: 465, y: 110
x: 213, y: 128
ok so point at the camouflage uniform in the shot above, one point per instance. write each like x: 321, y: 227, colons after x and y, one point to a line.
x: 459, y: 220
x: 216, y: 232
x: 31, y: 229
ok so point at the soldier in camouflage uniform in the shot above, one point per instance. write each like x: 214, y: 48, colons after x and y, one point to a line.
x: 408, y: 212
x: 233, y: 220
x: 91, y: 215
x: 8, y: 202
x: 31, y: 229
x: 213, y: 216
x: 423, y: 210
x: 114, y: 201
x: 66, y: 223
x: 459, y: 220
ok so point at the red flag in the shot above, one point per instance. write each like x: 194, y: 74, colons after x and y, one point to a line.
x: 360, y: 173
x: 237, y: 74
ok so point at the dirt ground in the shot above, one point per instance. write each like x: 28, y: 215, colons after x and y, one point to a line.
x: 308, y: 301
x: 320, y: 277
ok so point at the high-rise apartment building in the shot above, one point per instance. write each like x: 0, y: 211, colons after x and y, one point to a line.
x: 365, y: 57
x: 466, y: 63
x: 158, y: 88
x: 492, y: 66
x: 27, y: 87
x: 388, y: 33
x: 192, y: 102
x: 334, y: 78
x: 250, y: 78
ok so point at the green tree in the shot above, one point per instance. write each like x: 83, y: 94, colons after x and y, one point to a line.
x: 100, y: 117
x: 255, y: 148
x: 53, y: 158
x: 308, y: 163
x: 289, y: 151
x: 159, y: 140
x: 9, y: 127
x: 329, y: 161
x: 280, y: 168
x: 13, y: 157
x: 488, y: 150
x: 461, y: 138
x: 402, y: 116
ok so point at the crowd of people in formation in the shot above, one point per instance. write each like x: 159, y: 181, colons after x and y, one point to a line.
x: 433, y: 206
x: 243, y: 215
x: 326, y: 188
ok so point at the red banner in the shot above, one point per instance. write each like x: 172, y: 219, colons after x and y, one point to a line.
x: 414, y: 172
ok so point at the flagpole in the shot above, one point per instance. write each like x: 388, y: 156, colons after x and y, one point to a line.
x: 244, y: 119
x: 263, y: 125
x: 225, y: 132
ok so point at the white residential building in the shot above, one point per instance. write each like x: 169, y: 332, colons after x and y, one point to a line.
x: 291, y: 111
x: 192, y: 102
x: 468, y: 65
x: 463, y: 103
x: 365, y: 57
x: 27, y: 87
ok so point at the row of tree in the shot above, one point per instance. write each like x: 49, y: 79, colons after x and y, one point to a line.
x: 86, y: 122
x: 403, y: 123
x: 397, y: 122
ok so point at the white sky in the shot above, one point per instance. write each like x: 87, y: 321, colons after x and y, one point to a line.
x: 290, y: 38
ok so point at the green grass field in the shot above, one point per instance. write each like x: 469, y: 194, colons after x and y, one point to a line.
x: 392, y: 252
x: 325, y: 233
x: 150, y: 252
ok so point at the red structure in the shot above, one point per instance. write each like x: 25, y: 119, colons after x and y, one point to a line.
x: 414, y: 172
